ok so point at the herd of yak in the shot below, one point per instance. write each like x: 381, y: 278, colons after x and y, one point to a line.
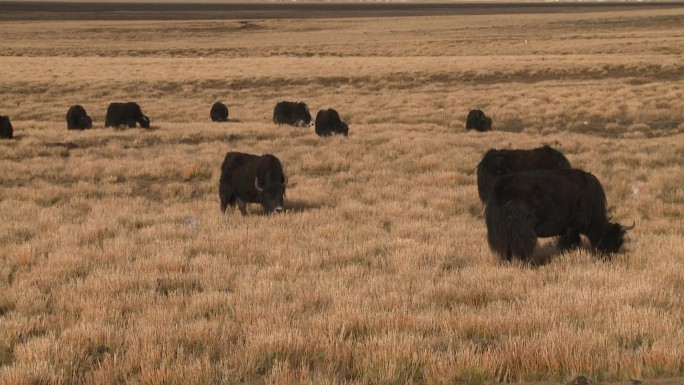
x: 527, y: 193
x: 129, y: 114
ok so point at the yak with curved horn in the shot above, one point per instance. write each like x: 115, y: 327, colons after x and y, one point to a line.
x: 247, y: 178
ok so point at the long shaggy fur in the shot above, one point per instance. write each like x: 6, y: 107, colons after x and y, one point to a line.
x: 328, y: 122
x: 501, y: 162
x: 485, y: 178
x: 6, y: 129
x: 247, y: 178
x: 546, y: 203
x: 292, y: 113
x: 77, y: 118
x: 125, y: 114
x: 218, y: 112
x: 478, y: 121
x: 510, y: 229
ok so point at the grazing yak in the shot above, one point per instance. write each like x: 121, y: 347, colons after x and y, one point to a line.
x: 501, y: 162
x: 6, y: 130
x: 328, y: 122
x: 292, y: 113
x: 247, y: 178
x: 477, y: 121
x: 77, y: 118
x: 219, y: 112
x: 126, y: 114
x: 544, y: 203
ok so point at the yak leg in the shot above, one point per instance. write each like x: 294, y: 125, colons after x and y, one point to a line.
x: 569, y: 240
x: 227, y: 199
x: 242, y: 206
x: 226, y: 194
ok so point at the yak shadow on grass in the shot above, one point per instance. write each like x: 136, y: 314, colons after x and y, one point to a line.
x: 66, y: 145
x: 544, y: 254
x: 123, y: 127
x: 548, y: 252
x: 290, y: 206
x: 300, y: 206
x: 202, y: 138
x: 14, y: 138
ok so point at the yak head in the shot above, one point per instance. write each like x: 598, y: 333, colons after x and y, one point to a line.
x: 487, y: 124
x: 304, y: 115
x: 144, y: 121
x: 86, y: 122
x: 342, y: 128
x: 478, y: 121
x: 612, y: 238
x: 271, y: 192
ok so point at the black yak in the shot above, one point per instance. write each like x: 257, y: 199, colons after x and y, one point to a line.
x: 328, y: 122
x: 544, y: 203
x: 126, y: 114
x: 247, y: 178
x: 477, y: 121
x: 77, y: 118
x: 292, y: 113
x: 219, y: 112
x: 6, y: 130
x: 501, y: 162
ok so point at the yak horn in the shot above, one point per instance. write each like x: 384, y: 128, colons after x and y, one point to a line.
x: 256, y: 185
x: 286, y: 179
x: 625, y: 228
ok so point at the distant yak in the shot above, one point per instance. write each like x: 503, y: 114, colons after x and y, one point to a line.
x: 77, y: 118
x: 501, y: 162
x: 477, y: 121
x: 292, y: 113
x: 247, y: 178
x: 6, y: 130
x: 126, y: 114
x: 545, y: 203
x: 219, y: 112
x: 328, y: 122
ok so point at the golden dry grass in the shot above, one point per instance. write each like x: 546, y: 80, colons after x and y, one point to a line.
x: 116, y: 265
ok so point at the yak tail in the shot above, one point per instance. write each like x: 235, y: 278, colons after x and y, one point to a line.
x: 510, y: 229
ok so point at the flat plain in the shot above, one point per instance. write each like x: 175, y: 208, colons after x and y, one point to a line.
x: 117, y: 266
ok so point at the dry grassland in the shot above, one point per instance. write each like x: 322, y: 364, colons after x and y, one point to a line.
x: 116, y: 265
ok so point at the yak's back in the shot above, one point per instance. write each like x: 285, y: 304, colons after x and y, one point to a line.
x: 328, y: 122
x: 236, y: 159
x: 496, y: 163
x: 219, y: 112
x: 77, y: 118
x: 239, y: 160
x: 292, y: 113
x: 544, y: 189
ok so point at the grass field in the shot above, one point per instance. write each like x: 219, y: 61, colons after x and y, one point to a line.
x: 117, y: 266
